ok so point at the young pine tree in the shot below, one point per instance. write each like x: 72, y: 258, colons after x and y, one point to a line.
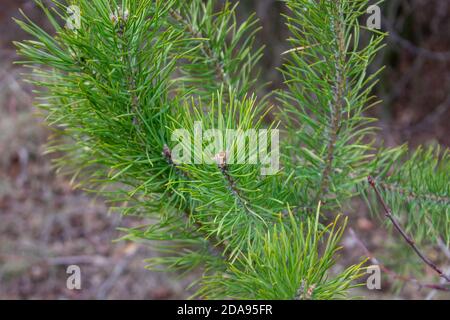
x: 121, y: 77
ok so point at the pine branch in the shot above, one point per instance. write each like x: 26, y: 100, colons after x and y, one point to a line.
x: 221, y: 51
x: 287, y: 257
x: 233, y: 199
x: 328, y: 143
x: 206, y: 48
x: 221, y: 159
x: 120, y: 18
x: 122, y: 84
x: 99, y: 102
x: 216, y: 243
x: 413, y: 196
x: 337, y: 103
x: 408, y: 239
x: 167, y: 154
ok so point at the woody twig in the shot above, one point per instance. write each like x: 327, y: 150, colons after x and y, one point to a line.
x: 408, y: 239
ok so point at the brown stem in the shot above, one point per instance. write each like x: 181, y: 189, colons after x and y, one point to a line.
x: 221, y: 159
x: 218, y: 245
x: 398, y: 227
x: 120, y: 21
x: 336, y: 106
x: 207, y: 51
x: 392, y: 273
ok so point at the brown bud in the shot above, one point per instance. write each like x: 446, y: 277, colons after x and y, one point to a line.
x: 166, y: 152
x: 221, y: 159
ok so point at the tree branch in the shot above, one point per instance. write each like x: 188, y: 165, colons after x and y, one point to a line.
x: 207, y: 51
x: 392, y: 273
x: 398, y: 227
x: 221, y: 159
x: 336, y: 104
x: 217, y: 244
x: 410, y: 195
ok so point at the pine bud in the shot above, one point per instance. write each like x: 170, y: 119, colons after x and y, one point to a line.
x: 221, y: 159
x: 119, y: 15
x: 113, y: 18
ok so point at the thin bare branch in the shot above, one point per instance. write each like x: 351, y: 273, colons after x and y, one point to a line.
x: 393, y: 274
x: 398, y: 227
x: 221, y: 159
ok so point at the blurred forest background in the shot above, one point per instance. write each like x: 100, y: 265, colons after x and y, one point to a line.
x: 46, y: 226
